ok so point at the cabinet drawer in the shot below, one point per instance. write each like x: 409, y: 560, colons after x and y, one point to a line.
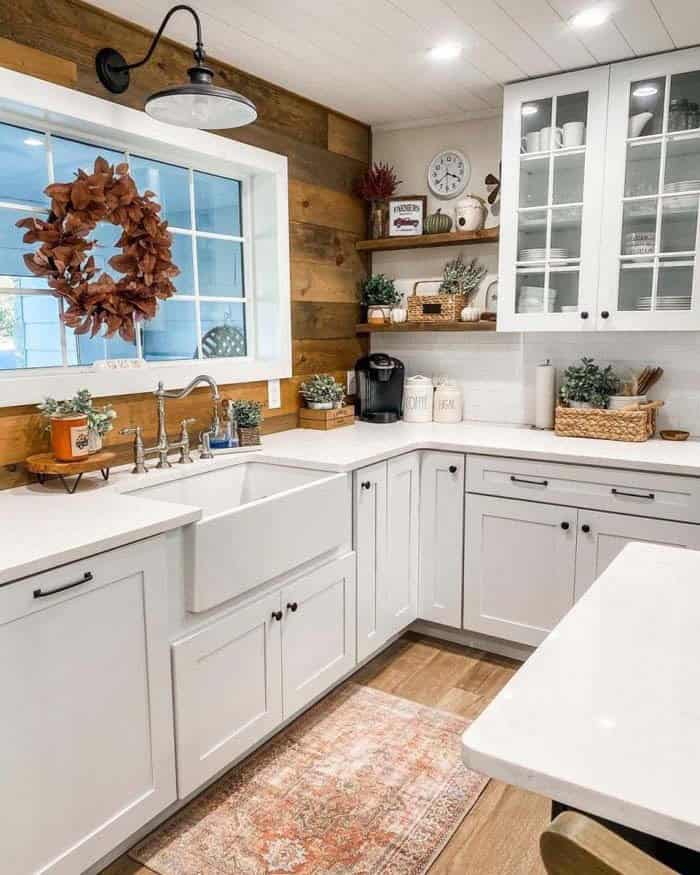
x: 662, y: 496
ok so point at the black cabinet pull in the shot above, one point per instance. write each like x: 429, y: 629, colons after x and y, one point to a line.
x: 649, y: 496
x: 41, y: 594
x: 585, y: 528
x: 514, y: 479
x: 584, y: 314
x: 292, y: 606
x: 366, y: 484
x: 565, y: 526
x: 452, y: 469
x: 277, y: 615
x: 605, y: 314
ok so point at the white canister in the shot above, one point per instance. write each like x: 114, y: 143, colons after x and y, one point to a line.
x: 447, y: 403
x: 470, y: 213
x: 418, y: 399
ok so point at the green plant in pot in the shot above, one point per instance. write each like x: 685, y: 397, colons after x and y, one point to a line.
x: 322, y: 392
x: 100, y: 419
x: 379, y: 295
x: 248, y: 419
x: 588, y: 385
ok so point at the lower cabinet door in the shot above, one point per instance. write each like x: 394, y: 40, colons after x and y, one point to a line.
x: 519, y: 571
x: 369, y: 504
x: 602, y: 536
x: 86, y: 736
x: 399, y: 583
x: 441, y: 537
x: 318, y: 632
x: 228, y: 690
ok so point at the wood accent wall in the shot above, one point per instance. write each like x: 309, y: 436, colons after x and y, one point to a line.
x: 57, y: 40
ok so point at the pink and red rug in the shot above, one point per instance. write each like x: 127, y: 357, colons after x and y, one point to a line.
x: 363, y: 783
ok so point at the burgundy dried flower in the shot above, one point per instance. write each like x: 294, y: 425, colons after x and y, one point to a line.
x: 377, y: 183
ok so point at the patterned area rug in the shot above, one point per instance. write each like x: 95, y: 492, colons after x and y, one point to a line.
x: 363, y: 783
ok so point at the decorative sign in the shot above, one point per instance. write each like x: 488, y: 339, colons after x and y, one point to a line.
x: 406, y: 215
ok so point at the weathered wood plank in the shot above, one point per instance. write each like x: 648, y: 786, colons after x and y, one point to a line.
x: 348, y: 137
x: 25, y: 59
x: 322, y: 282
x: 326, y: 246
x: 323, y: 206
x: 318, y: 356
x: 315, y: 321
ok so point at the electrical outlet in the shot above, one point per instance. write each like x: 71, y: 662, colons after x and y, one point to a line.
x: 350, y: 383
x: 274, y: 396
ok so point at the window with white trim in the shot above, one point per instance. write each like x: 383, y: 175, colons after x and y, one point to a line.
x: 207, y: 318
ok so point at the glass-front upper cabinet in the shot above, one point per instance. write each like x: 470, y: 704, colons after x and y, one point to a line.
x: 649, y: 276
x: 553, y: 159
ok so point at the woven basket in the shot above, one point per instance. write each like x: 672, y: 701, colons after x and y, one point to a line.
x: 634, y: 424
x: 435, y: 308
x: 249, y: 436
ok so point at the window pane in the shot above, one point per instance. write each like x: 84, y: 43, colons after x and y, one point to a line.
x: 683, y: 164
x: 563, y: 290
x: 69, y: 155
x: 679, y: 221
x: 172, y: 334
x: 534, y: 182
x: 674, y: 291
x: 217, y: 204
x: 12, y: 248
x: 566, y: 233
x: 568, y: 178
x: 182, y: 258
x: 220, y: 265
x: 223, y: 329
x: 23, y: 170
x: 685, y: 100
x: 30, y: 334
x: 646, y: 111
x: 532, y: 236
x: 572, y: 117
x: 535, y: 115
x: 642, y: 173
x: 530, y: 293
x: 84, y: 350
x: 171, y: 185
x: 636, y: 281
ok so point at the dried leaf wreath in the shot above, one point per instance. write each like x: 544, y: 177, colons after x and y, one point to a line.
x: 109, y: 194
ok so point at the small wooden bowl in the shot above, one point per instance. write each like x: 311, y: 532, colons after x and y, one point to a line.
x: 674, y: 434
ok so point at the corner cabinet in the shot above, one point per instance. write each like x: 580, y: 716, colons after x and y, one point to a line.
x: 601, y: 184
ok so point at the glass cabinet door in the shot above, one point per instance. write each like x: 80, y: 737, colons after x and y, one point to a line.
x: 552, y: 186
x: 649, y: 276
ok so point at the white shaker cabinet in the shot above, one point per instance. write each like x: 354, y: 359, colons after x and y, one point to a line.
x: 519, y: 567
x: 441, y: 536
x: 228, y: 689
x: 86, y: 738
x: 386, y: 508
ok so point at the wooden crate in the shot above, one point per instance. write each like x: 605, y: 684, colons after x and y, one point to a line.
x: 326, y: 419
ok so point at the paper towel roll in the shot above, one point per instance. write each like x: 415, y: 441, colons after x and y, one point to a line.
x: 544, y: 395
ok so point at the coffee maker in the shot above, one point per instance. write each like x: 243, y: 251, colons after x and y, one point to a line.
x: 379, y: 388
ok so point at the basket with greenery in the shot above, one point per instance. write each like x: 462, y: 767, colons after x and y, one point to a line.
x: 379, y: 291
x: 588, y: 384
x: 322, y: 392
x: 248, y: 416
x: 100, y: 419
x: 459, y: 278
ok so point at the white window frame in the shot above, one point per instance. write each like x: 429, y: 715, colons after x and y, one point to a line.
x: 264, y: 208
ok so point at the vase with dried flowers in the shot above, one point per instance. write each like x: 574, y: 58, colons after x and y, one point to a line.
x: 376, y: 185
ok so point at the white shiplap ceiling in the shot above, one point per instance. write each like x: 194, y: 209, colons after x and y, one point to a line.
x: 368, y: 58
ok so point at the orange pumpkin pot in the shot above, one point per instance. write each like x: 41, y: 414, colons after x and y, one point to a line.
x: 69, y: 437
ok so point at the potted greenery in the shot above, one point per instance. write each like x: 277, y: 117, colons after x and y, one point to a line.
x: 588, y: 385
x: 321, y: 392
x: 100, y: 419
x: 379, y: 295
x: 248, y: 418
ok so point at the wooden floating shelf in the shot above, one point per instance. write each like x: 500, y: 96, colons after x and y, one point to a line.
x: 483, y: 325
x: 426, y: 241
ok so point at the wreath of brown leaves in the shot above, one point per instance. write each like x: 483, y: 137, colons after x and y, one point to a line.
x: 109, y: 194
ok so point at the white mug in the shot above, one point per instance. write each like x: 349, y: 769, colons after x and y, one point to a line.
x: 530, y: 142
x: 550, y: 138
x: 573, y: 134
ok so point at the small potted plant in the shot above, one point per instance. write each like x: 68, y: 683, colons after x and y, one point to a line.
x: 100, y: 419
x: 588, y: 385
x: 376, y: 185
x: 379, y: 295
x: 321, y: 392
x: 248, y: 418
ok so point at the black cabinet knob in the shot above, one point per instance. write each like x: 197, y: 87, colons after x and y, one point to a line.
x: 277, y: 615
x: 605, y: 314
x: 584, y: 314
x: 585, y: 528
x: 452, y: 469
x: 366, y: 484
x: 565, y: 526
x: 292, y: 606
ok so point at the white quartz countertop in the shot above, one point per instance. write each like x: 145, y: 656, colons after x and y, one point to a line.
x: 44, y: 527
x: 605, y: 715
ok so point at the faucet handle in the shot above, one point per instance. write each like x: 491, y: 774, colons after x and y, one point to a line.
x: 185, y: 456
x: 205, y: 449
x: 132, y: 429
x: 139, y: 455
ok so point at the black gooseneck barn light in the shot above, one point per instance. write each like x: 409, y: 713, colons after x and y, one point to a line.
x: 194, y: 104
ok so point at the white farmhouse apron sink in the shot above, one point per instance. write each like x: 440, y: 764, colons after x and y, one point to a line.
x: 259, y: 521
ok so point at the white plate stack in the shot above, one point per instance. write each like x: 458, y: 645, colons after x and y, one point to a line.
x: 541, y: 254
x: 665, y: 302
x: 532, y: 298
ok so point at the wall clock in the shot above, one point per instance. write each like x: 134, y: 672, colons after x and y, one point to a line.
x: 448, y: 174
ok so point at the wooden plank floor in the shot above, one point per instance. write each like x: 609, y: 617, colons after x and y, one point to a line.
x: 500, y: 834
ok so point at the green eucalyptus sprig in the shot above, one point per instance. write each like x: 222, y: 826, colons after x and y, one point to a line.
x: 588, y: 382
x: 459, y: 278
x: 248, y: 413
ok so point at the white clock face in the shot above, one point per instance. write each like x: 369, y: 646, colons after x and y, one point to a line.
x: 448, y: 174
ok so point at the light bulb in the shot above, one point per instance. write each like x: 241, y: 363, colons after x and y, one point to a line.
x: 593, y: 17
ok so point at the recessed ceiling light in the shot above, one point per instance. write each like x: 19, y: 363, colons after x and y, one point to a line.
x: 445, y: 52
x: 592, y: 17
x: 529, y: 109
x: 33, y: 141
x: 645, y: 90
